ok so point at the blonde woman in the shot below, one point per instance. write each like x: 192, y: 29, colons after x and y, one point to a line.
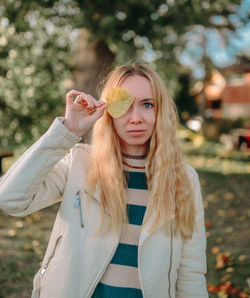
x: 131, y: 220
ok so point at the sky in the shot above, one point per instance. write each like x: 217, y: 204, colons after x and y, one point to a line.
x: 221, y: 50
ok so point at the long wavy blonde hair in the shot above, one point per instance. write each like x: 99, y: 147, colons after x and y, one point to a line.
x: 170, y: 191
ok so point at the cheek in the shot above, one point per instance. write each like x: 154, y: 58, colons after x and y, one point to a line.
x: 118, y: 125
x: 152, y: 124
x: 152, y: 119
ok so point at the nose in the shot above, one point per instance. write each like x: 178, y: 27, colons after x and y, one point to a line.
x: 135, y: 115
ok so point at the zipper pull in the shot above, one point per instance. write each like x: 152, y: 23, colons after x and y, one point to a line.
x: 77, y: 202
x: 43, y: 270
x: 78, y: 205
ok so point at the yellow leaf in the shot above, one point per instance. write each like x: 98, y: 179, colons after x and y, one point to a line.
x: 119, y: 101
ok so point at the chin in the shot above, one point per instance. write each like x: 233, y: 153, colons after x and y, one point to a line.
x: 138, y: 142
x: 135, y: 141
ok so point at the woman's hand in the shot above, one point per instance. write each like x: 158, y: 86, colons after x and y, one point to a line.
x: 83, y: 112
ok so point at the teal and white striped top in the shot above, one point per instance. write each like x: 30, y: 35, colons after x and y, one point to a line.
x: 121, y: 278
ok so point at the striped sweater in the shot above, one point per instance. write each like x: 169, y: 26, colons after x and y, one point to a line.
x: 121, y: 278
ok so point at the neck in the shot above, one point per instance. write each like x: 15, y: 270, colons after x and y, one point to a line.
x: 134, y: 162
x: 135, y: 150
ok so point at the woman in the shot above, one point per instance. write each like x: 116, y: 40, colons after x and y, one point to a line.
x: 131, y: 221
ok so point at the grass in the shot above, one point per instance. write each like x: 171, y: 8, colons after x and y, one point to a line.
x: 224, y: 177
x: 22, y: 246
x: 227, y: 221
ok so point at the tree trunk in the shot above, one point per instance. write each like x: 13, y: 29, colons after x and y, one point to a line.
x: 93, y: 62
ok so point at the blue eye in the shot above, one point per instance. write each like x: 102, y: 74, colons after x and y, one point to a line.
x: 148, y: 105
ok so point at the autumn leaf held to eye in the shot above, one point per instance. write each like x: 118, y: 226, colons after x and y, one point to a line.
x: 119, y: 101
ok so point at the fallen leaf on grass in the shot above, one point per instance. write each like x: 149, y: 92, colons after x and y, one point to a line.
x: 222, y: 294
x: 242, y: 258
x: 224, y: 289
x: 208, y: 224
x: 242, y: 218
x: 219, y: 240
x: 229, y: 196
x: 234, y: 291
x: 221, y: 212
x: 225, y: 277
x: 222, y: 260
x: 27, y: 247
x: 229, y: 230
x: 212, y: 288
x: 215, y: 250
x: 12, y: 233
x: 19, y: 224
x: 34, y: 217
x: 232, y: 213
x: 243, y: 295
x: 211, y: 198
x: 35, y: 243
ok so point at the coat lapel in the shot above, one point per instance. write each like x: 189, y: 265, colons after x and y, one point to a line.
x: 96, y: 195
x: 145, y: 231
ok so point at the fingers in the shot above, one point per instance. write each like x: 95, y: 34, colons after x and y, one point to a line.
x: 88, y: 101
x: 98, y: 113
x: 81, y: 98
x: 95, y: 109
x: 70, y: 96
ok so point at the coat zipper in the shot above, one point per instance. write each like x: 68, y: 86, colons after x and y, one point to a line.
x: 42, y: 272
x: 170, y: 266
x: 100, y: 273
x: 176, y: 279
x: 78, y: 204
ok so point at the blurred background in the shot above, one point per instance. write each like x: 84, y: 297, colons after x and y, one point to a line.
x: 200, y: 48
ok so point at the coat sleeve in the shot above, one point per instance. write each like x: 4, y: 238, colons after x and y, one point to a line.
x: 191, y: 275
x: 38, y: 177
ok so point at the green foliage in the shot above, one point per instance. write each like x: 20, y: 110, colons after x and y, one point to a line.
x: 151, y: 19
x: 130, y: 27
x: 35, y: 65
x: 37, y: 41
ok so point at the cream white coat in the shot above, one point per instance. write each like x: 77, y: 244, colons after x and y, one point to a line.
x: 53, y: 170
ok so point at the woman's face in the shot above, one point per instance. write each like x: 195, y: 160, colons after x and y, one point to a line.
x: 136, y: 127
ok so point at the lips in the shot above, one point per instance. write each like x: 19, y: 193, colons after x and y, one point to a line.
x: 136, y: 132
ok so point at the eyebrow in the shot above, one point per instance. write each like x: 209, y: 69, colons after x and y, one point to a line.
x: 147, y: 99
